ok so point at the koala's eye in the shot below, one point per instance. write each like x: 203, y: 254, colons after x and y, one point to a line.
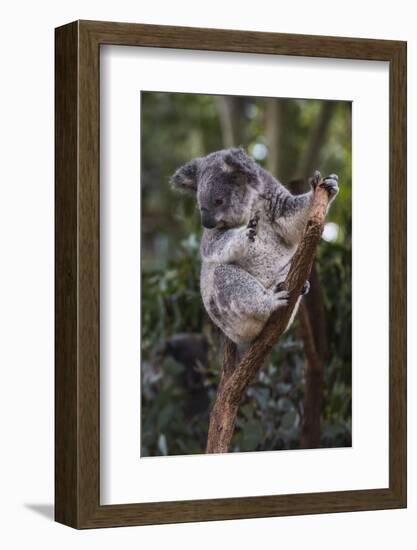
x: 218, y: 202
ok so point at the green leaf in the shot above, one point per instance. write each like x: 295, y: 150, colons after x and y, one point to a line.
x: 290, y: 420
x: 165, y: 415
x: 252, y: 435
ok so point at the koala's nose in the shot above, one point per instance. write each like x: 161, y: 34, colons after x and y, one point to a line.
x: 207, y: 219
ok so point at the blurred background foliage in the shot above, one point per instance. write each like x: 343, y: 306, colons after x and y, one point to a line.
x: 181, y: 349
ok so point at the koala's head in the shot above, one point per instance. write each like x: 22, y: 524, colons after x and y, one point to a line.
x: 225, y: 184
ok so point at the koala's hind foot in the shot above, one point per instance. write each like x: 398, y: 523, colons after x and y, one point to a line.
x: 281, y: 286
x: 252, y: 227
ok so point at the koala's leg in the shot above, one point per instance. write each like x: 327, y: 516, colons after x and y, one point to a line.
x: 239, y: 304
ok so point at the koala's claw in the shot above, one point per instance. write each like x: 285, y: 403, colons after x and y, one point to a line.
x: 252, y: 227
x: 251, y: 235
x: 283, y: 297
x: 279, y: 287
x: 331, y: 184
x: 253, y: 223
x: 306, y: 288
x: 315, y: 180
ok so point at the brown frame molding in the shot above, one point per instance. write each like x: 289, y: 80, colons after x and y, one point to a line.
x: 77, y: 274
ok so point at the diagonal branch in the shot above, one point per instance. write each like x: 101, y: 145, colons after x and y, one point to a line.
x: 235, y: 381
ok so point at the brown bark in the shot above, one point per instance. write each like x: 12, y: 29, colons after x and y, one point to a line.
x: 229, y: 360
x: 235, y: 382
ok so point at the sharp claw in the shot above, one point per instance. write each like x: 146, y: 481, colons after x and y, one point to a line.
x: 283, y: 295
x: 279, y: 287
x: 253, y: 223
x: 251, y: 234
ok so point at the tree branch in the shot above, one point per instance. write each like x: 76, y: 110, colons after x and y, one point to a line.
x: 234, y: 381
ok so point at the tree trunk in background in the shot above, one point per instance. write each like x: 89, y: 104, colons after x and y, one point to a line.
x: 315, y: 306
x: 313, y: 393
x: 232, y: 118
x: 308, y: 160
x: 273, y: 133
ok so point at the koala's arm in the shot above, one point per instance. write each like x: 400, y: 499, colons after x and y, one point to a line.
x: 226, y: 247
x: 289, y: 212
x: 292, y: 216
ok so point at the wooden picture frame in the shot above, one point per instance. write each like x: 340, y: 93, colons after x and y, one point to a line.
x: 77, y: 375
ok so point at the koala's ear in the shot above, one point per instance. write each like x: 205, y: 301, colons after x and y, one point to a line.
x: 186, y: 177
x: 236, y: 160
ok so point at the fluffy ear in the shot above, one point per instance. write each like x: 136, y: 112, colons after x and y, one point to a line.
x: 186, y: 177
x: 236, y: 160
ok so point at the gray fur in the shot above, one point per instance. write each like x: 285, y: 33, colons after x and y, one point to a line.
x: 252, y: 228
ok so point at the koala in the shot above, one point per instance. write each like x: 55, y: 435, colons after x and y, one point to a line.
x: 252, y: 226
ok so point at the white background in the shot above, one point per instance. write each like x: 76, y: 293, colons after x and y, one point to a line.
x: 125, y: 478
x: 26, y: 286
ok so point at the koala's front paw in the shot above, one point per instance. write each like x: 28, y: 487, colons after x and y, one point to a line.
x: 252, y: 227
x: 331, y: 184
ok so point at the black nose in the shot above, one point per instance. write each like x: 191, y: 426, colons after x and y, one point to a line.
x: 207, y: 219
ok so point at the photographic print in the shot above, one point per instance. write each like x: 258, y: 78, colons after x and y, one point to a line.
x: 215, y: 288
x: 227, y: 184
